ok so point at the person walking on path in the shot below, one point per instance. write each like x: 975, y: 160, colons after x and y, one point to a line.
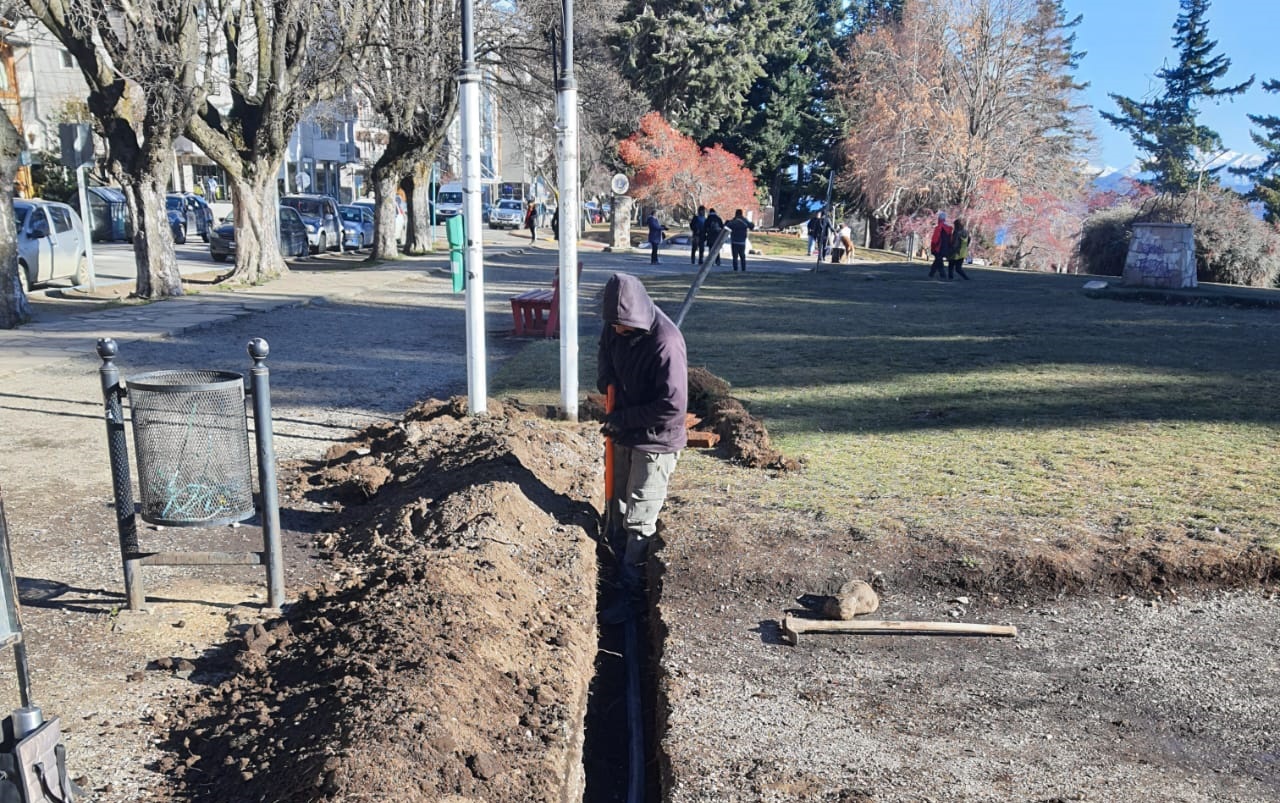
x: 714, y: 226
x: 845, y: 236
x: 940, y: 246
x: 819, y: 233
x: 738, y: 227
x: 531, y: 221
x: 655, y: 235
x: 642, y: 355
x: 697, y: 236
x: 959, y: 251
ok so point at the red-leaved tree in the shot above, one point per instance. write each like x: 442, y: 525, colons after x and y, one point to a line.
x: 672, y: 174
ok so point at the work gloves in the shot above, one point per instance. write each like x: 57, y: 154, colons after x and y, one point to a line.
x: 610, y: 428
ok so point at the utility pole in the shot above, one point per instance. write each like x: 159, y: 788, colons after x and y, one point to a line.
x: 570, y: 212
x: 469, y: 102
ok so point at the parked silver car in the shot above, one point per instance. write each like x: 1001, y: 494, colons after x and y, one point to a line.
x: 51, y: 242
x: 508, y: 213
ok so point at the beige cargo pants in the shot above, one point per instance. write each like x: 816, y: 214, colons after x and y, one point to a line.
x: 640, y: 487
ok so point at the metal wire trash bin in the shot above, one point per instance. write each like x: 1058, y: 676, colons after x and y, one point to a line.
x: 190, y: 436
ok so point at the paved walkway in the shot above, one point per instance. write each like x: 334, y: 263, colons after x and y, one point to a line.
x: 65, y: 328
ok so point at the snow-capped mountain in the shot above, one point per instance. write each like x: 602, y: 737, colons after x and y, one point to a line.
x: 1107, y: 178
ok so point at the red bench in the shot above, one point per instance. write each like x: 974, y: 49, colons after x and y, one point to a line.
x: 536, y: 313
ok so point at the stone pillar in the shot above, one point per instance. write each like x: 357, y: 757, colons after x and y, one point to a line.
x: 1161, y: 255
x: 620, y: 222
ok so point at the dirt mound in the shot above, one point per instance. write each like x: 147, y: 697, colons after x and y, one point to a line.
x: 451, y: 659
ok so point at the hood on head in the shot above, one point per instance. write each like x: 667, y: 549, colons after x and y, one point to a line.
x: 626, y: 302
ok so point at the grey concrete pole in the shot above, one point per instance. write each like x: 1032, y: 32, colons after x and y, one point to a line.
x: 570, y: 214
x: 469, y: 102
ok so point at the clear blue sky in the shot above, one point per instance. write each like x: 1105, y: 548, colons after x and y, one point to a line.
x: 1127, y: 41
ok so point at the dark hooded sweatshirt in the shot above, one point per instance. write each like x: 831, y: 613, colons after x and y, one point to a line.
x: 648, y: 368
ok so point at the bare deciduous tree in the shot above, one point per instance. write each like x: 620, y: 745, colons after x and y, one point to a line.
x: 14, y: 309
x: 265, y: 63
x: 139, y: 59
x: 409, y: 73
x: 954, y: 97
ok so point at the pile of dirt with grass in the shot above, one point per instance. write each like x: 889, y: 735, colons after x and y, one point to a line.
x: 743, y: 438
x: 450, y: 657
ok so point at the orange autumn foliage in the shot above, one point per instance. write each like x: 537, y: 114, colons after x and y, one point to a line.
x: 673, y: 174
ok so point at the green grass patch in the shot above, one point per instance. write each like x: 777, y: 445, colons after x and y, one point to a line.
x: 1009, y: 410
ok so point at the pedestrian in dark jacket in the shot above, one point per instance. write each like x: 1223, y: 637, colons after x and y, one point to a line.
x: 655, y: 236
x: 531, y: 222
x: 642, y: 355
x: 959, y: 251
x: 819, y: 235
x: 738, y: 227
x: 714, y: 226
x: 698, y: 236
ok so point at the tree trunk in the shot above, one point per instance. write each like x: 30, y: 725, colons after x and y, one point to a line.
x: 256, y: 202
x: 157, y: 265
x: 384, y: 224
x: 14, y: 308
x: 420, y: 225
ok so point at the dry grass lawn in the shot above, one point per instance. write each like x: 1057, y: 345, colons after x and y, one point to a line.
x: 1009, y: 421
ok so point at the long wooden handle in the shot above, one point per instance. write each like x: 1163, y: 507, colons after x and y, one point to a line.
x: 792, y: 627
x: 609, y: 398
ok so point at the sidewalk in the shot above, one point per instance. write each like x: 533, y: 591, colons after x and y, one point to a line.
x: 61, y: 331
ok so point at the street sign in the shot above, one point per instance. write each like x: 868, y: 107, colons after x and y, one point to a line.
x: 77, y: 144
x: 620, y: 184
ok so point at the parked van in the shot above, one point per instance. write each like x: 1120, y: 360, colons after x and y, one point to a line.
x: 449, y: 201
x: 320, y: 214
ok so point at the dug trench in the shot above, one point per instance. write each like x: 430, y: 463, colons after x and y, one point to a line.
x: 453, y: 654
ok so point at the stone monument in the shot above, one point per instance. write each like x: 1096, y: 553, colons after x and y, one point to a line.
x: 620, y: 222
x: 1161, y: 255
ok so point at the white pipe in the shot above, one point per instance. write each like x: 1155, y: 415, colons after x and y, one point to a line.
x: 469, y: 102
x: 570, y: 210
x: 570, y: 214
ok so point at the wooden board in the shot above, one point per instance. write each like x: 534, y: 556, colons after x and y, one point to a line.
x: 793, y: 626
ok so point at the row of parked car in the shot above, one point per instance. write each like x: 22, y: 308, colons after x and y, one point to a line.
x: 52, y: 240
x: 312, y: 224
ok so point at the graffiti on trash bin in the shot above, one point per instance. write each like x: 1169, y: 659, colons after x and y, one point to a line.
x: 195, y: 501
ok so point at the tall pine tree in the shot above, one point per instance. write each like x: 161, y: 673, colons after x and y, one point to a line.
x: 1266, y: 176
x: 1167, y: 128
x: 697, y: 61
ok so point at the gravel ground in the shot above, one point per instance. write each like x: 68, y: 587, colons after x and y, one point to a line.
x: 1098, y: 698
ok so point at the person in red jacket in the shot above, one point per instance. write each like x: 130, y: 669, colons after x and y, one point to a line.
x: 940, y: 247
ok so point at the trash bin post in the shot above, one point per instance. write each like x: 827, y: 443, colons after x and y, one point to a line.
x: 118, y: 449
x: 260, y: 388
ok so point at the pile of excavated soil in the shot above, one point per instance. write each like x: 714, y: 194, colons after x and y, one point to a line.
x: 744, y: 440
x: 450, y: 657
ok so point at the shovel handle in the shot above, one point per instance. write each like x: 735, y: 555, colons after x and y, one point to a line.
x: 609, y: 398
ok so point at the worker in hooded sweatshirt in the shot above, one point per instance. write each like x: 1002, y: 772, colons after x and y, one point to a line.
x: 642, y: 355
